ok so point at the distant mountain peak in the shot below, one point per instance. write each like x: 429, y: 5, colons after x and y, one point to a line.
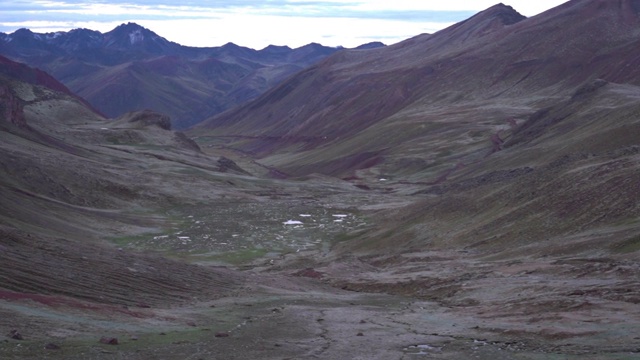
x: 132, y: 35
x: 231, y: 45
x: 22, y: 31
x: 483, y: 23
x: 371, y: 45
x: 133, y: 32
x: 505, y: 13
x: 130, y: 26
x: 277, y: 48
x: 136, y: 36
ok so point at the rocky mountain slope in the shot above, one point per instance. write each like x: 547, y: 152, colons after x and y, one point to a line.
x: 132, y: 68
x: 516, y: 136
x: 71, y: 178
x: 421, y: 107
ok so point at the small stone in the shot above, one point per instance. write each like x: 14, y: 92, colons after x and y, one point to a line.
x: 109, y: 340
x: 360, y: 334
x: 15, y: 335
x: 222, y: 334
x: 52, y: 346
x: 134, y: 338
x: 191, y: 323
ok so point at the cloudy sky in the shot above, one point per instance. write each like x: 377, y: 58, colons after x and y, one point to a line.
x: 253, y: 23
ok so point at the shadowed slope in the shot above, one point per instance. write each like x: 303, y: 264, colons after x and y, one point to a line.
x: 565, y: 184
x: 99, y: 274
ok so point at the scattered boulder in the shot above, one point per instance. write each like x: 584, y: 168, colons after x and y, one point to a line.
x: 309, y: 273
x: 15, y: 335
x: 109, y: 340
x: 52, y: 346
x: 225, y: 165
x: 149, y: 118
x: 186, y: 142
x: 222, y: 334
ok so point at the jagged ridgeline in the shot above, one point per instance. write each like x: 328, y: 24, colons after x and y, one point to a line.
x: 132, y: 68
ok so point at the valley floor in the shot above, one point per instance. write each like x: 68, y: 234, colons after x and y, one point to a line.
x: 309, y: 304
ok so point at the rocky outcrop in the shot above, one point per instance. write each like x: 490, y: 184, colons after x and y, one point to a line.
x: 150, y: 118
x: 186, y: 142
x: 11, y: 109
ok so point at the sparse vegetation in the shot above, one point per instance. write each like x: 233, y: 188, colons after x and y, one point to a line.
x: 467, y: 194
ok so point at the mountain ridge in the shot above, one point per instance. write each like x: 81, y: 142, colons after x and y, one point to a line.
x: 451, y: 68
x: 109, y: 69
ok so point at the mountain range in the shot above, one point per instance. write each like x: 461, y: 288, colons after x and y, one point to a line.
x: 495, y: 103
x: 132, y: 68
x: 392, y: 107
x: 472, y: 193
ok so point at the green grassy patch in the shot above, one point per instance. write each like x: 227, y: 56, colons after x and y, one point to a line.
x: 627, y: 246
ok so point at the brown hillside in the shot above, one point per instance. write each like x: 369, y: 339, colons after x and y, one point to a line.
x: 467, y: 79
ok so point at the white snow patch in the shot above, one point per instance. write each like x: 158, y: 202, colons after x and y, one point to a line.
x: 293, y: 222
x: 340, y: 215
x: 136, y: 37
x: 183, y: 238
x: 421, y: 349
x: 305, y: 215
x: 54, y: 35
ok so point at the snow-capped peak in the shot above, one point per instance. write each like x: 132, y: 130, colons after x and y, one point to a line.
x: 136, y: 36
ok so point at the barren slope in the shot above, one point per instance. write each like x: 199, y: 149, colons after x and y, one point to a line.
x: 489, y: 209
x: 424, y: 105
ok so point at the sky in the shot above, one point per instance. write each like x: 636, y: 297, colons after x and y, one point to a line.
x: 257, y: 24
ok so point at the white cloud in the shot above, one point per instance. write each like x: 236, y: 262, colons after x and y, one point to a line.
x: 255, y: 23
x: 527, y: 8
x: 278, y: 30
